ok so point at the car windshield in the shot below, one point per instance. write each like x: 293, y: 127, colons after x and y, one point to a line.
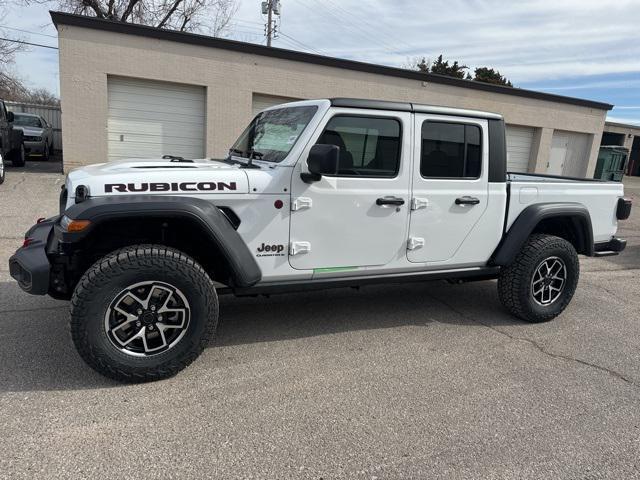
x: 272, y: 134
x: 26, y: 121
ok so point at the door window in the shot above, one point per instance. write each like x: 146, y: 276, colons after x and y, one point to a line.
x: 451, y: 150
x: 369, y: 146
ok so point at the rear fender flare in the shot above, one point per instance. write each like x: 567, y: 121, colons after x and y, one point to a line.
x: 530, y: 218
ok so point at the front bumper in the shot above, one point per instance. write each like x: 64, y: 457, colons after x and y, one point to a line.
x: 34, y: 147
x: 30, y: 266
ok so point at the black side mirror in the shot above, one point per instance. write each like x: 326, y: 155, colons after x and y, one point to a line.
x: 10, y: 117
x: 323, y: 160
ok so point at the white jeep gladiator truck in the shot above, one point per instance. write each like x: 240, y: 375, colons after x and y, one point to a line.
x: 313, y: 194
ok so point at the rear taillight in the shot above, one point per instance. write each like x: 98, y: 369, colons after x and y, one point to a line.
x: 27, y: 242
x: 624, y: 208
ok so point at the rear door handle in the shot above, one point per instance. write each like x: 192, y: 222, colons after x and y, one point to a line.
x: 467, y: 201
x: 390, y: 201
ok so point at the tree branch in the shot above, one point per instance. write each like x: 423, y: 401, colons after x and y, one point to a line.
x: 170, y: 12
x: 128, y: 10
x: 95, y: 6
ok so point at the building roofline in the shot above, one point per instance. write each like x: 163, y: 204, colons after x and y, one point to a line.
x: 60, y: 18
x: 629, y: 126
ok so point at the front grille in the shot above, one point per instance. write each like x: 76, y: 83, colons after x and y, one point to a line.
x: 29, y: 138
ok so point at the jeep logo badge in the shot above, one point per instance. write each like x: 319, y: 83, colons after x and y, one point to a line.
x: 274, y: 250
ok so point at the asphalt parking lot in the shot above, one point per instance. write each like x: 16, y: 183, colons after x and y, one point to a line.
x: 412, y: 381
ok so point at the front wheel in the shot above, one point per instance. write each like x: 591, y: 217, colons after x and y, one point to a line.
x: 143, y: 313
x: 541, y: 281
x: 1, y: 170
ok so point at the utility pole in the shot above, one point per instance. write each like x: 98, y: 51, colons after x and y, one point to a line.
x: 271, y: 8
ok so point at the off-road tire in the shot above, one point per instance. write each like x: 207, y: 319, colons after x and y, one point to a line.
x: 515, y: 281
x: 102, y: 282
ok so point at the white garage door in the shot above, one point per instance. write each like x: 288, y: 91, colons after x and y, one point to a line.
x: 519, y: 141
x: 148, y: 119
x: 577, y: 154
x: 260, y: 102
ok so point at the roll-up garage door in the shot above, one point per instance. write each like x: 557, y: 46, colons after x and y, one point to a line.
x: 260, y: 102
x: 148, y: 119
x: 519, y: 141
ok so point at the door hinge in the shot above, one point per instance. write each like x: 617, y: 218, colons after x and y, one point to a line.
x: 299, y: 247
x: 418, y: 203
x: 415, y: 243
x: 301, y: 203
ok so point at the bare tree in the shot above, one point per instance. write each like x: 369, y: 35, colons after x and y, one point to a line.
x: 207, y: 16
x: 8, y: 49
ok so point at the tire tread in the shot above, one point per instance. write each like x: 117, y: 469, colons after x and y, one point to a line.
x: 114, y: 264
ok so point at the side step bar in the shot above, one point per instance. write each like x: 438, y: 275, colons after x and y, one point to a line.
x: 610, y: 248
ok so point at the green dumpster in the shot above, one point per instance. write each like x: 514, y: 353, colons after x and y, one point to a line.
x: 612, y: 162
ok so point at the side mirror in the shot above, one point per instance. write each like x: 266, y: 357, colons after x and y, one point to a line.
x: 323, y: 160
x: 10, y: 117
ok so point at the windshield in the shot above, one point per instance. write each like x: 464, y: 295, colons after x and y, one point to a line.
x: 272, y: 134
x: 26, y: 121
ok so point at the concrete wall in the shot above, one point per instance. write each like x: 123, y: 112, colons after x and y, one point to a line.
x: 87, y: 56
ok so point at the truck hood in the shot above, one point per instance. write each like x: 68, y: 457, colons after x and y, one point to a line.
x: 30, y: 131
x: 159, y: 176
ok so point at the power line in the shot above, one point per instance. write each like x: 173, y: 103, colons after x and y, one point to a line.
x: 28, y: 31
x: 362, y: 20
x: 354, y: 28
x: 27, y: 43
x: 300, y: 43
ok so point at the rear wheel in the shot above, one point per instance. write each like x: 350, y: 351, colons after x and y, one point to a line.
x: 143, y: 313
x: 541, y: 281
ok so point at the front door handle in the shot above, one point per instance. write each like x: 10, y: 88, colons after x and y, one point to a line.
x: 467, y: 201
x: 390, y: 201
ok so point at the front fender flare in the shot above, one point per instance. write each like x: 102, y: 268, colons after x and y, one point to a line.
x: 245, y: 272
x: 530, y: 217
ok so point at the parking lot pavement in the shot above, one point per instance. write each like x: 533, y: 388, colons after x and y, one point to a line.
x: 413, y: 381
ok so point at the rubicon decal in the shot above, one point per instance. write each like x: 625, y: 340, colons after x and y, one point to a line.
x: 169, y: 187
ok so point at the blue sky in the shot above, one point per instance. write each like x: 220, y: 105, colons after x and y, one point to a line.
x: 581, y: 48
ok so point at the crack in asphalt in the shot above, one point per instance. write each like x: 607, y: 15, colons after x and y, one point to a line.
x: 540, y: 348
x: 33, y: 309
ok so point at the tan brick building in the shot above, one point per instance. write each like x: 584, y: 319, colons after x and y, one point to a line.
x: 130, y: 90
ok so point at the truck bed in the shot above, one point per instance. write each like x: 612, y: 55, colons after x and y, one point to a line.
x: 599, y: 197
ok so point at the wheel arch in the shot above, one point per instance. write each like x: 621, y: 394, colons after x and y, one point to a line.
x: 570, y: 221
x: 192, y: 225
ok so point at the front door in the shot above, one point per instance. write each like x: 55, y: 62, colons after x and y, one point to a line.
x: 450, y: 185
x: 359, y: 216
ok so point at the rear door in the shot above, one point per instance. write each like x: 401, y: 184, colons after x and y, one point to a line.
x: 359, y: 216
x: 449, y: 187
